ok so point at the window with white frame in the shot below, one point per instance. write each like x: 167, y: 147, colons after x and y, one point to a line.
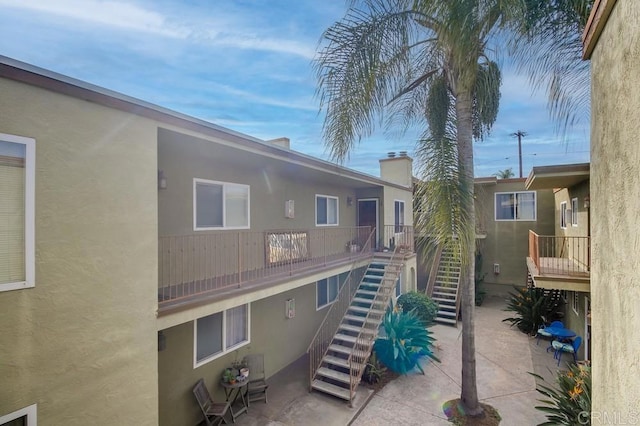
x: 398, y: 214
x: 220, y: 333
x: 515, y: 206
x: 398, y: 290
x: 27, y: 416
x: 575, y: 304
x: 574, y: 212
x: 563, y: 215
x: 220, y: 205
x: 17, y: 197
x: 327, y: 290
x: 326, y: 210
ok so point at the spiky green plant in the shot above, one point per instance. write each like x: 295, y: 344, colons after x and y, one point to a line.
x: 406, y: 340
x: 532, y: 307
x: 569, y: 402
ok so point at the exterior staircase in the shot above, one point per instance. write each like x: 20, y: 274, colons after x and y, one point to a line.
x: 338, y: 353
x: 443, y: 286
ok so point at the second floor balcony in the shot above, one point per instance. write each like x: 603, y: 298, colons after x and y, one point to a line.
x: 195, y: 268
x: 560, y: 262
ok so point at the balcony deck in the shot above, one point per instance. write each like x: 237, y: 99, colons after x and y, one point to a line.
x: 197, y: 269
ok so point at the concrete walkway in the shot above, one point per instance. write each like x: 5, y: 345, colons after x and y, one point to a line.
x: 504, y: 357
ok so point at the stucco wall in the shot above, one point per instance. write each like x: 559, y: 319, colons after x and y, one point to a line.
x: 576, y: 321
x: 615, y: 202
x: 507, y: 241
x: 282, y: 341
x: 82, y: 344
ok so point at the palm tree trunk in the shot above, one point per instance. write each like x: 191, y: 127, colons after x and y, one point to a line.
x: 469, y: 394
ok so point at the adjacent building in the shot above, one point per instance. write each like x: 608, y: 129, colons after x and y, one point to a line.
x: 148, y: 249
x: 612, y: 43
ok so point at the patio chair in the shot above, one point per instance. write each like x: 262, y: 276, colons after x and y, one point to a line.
x: 542, y: 332
x: 257, y: 386
x: 571, y: 348
x: 213, y: 412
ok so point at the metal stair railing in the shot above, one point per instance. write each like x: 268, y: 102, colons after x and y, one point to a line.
x: 323, y: 337
x: 364, y: 341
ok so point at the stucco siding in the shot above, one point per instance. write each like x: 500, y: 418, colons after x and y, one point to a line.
x: 82, y: 343
x: 281, y: 340
x: 506, y: 243
x: 615, y: 201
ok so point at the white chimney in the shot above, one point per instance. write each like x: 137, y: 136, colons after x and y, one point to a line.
x: 397, y: 169
x: 281, y: 142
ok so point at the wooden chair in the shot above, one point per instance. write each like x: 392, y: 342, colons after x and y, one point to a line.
x: 213, y: 412
x: 257, y: 386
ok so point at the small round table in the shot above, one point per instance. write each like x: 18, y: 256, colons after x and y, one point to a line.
x: 235, y: 394
x: 562, y: 334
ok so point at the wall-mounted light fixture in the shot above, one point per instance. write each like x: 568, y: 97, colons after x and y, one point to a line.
x: 587, y: 202
x: 349, y: 201
x: 162, y: 180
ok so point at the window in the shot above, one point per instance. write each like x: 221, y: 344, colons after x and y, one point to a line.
x: 326, y: 210
x: 327, y: 290
x: 398, y: 214
x: 574, y: 212
x: 220, y: 205
x: 516, y: 205
x: 575, y: 302
x: 398, y: 291
x: 17, y: 189
x: 27, y: 416
x: 219, y: 333
x: 563, y: 215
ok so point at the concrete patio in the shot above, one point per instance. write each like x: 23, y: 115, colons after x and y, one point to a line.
x: 504, y: 357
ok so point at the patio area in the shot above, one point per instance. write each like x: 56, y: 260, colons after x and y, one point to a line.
x: 504, y: 357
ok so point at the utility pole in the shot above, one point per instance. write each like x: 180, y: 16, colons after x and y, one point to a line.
x: 519, y: 134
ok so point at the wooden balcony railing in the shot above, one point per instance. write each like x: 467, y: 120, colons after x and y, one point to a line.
x: 559, y: 255
x: 201, y: 264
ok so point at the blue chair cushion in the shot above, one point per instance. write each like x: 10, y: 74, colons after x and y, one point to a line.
x: 543, y: 332
x: 559, y: 346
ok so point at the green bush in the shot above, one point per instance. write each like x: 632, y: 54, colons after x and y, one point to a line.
x: 423, y: 306
x: 533, y: 307
x: 568, y: 403
x: 374, y: 371
x: 406, y: 340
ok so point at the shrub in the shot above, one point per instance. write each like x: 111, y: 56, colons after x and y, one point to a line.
x: 423, y: 306
x: 374, y: 370
x: 406, y: 340
x: 568, y: 403
x: 533, y: 307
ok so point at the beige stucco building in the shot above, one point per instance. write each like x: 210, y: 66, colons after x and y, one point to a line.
x: 612, y: 43
x: 152, y: 249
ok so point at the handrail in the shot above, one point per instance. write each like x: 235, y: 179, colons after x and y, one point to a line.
x: 560, y: 255
x: 320, y: 343
x: 359, y: 355
x: 433, y: 271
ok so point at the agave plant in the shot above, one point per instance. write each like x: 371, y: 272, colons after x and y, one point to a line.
x: 406, y: 340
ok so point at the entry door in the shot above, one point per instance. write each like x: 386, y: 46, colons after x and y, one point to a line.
x: 368, y: 216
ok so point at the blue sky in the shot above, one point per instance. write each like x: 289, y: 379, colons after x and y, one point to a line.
x: 245, y: 65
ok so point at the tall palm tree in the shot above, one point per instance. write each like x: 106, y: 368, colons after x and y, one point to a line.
x: 505, y: 174
x: 424, y: 62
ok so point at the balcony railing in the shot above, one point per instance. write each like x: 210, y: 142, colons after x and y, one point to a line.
x: 193, y: 265
x: 398, y: 236
x: 559, y: 255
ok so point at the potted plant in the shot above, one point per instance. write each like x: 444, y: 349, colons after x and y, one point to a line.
x: 228, y: 376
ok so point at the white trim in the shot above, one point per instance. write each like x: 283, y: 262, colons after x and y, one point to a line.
x: 375, y: 243
x: 224, y: 185
x: 31, y: 412
x: 404, y: 205
x: 575, y: 303
x: 337, y: 210
x: 29, y: 211
x: 515, y: 213
x: 587, y: 335
x: 563, y: 215
x: 574, y: 211
x: 225, y: 350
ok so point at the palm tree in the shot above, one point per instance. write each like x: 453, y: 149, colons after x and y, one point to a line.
x: 505, y: 174
x: 421, y: 62
x: 549, y: 50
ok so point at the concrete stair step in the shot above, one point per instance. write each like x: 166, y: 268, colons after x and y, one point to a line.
x: 365, y: 310
x: 355, y: 329
x: 334, y: 375
x: 340, y: 349
x: 340, y: 362
x: 367, y: 292
x: 447, y: 321
x: 367, y: 301
x: 334, y: 390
